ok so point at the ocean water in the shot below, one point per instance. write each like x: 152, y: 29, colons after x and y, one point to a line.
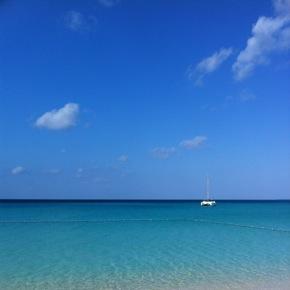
x: 144, y: 245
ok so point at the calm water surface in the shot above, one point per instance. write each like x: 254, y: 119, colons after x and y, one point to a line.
x: 144, y: 245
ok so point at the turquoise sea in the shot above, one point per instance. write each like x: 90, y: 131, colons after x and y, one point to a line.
x: 144, y: 245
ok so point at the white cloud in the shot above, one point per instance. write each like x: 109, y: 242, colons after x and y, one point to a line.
x: 242, y: 97
x: 80, y: 172
x: 109, y: 3
x: 100, y: 179
x: 74, y: 20
x: 269, y: 35
x: 282, y: 7
x: 54, y: 171
x: 194, y: 143
x: 58, y: 119
x: 77, y: 21
x: 123, y: 158
x: 17, y: 170
x: 208, y: 65
x: 163, y: 152
x: 246, y: 96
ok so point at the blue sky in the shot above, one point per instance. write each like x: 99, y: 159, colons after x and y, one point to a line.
x: 142, y: 99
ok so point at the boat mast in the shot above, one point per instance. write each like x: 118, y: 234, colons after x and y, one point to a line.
x: 207, y: 187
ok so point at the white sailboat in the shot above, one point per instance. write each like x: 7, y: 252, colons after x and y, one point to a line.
x: 208, y: 201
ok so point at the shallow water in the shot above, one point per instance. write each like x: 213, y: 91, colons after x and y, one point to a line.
x: 144, y: 245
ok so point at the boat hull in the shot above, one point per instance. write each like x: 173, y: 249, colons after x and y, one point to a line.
x: 208, y: 203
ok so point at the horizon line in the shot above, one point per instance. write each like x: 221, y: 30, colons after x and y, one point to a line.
x: 124, y: 200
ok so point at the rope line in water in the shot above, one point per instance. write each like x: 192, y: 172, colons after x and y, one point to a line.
x: 145, y: 220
